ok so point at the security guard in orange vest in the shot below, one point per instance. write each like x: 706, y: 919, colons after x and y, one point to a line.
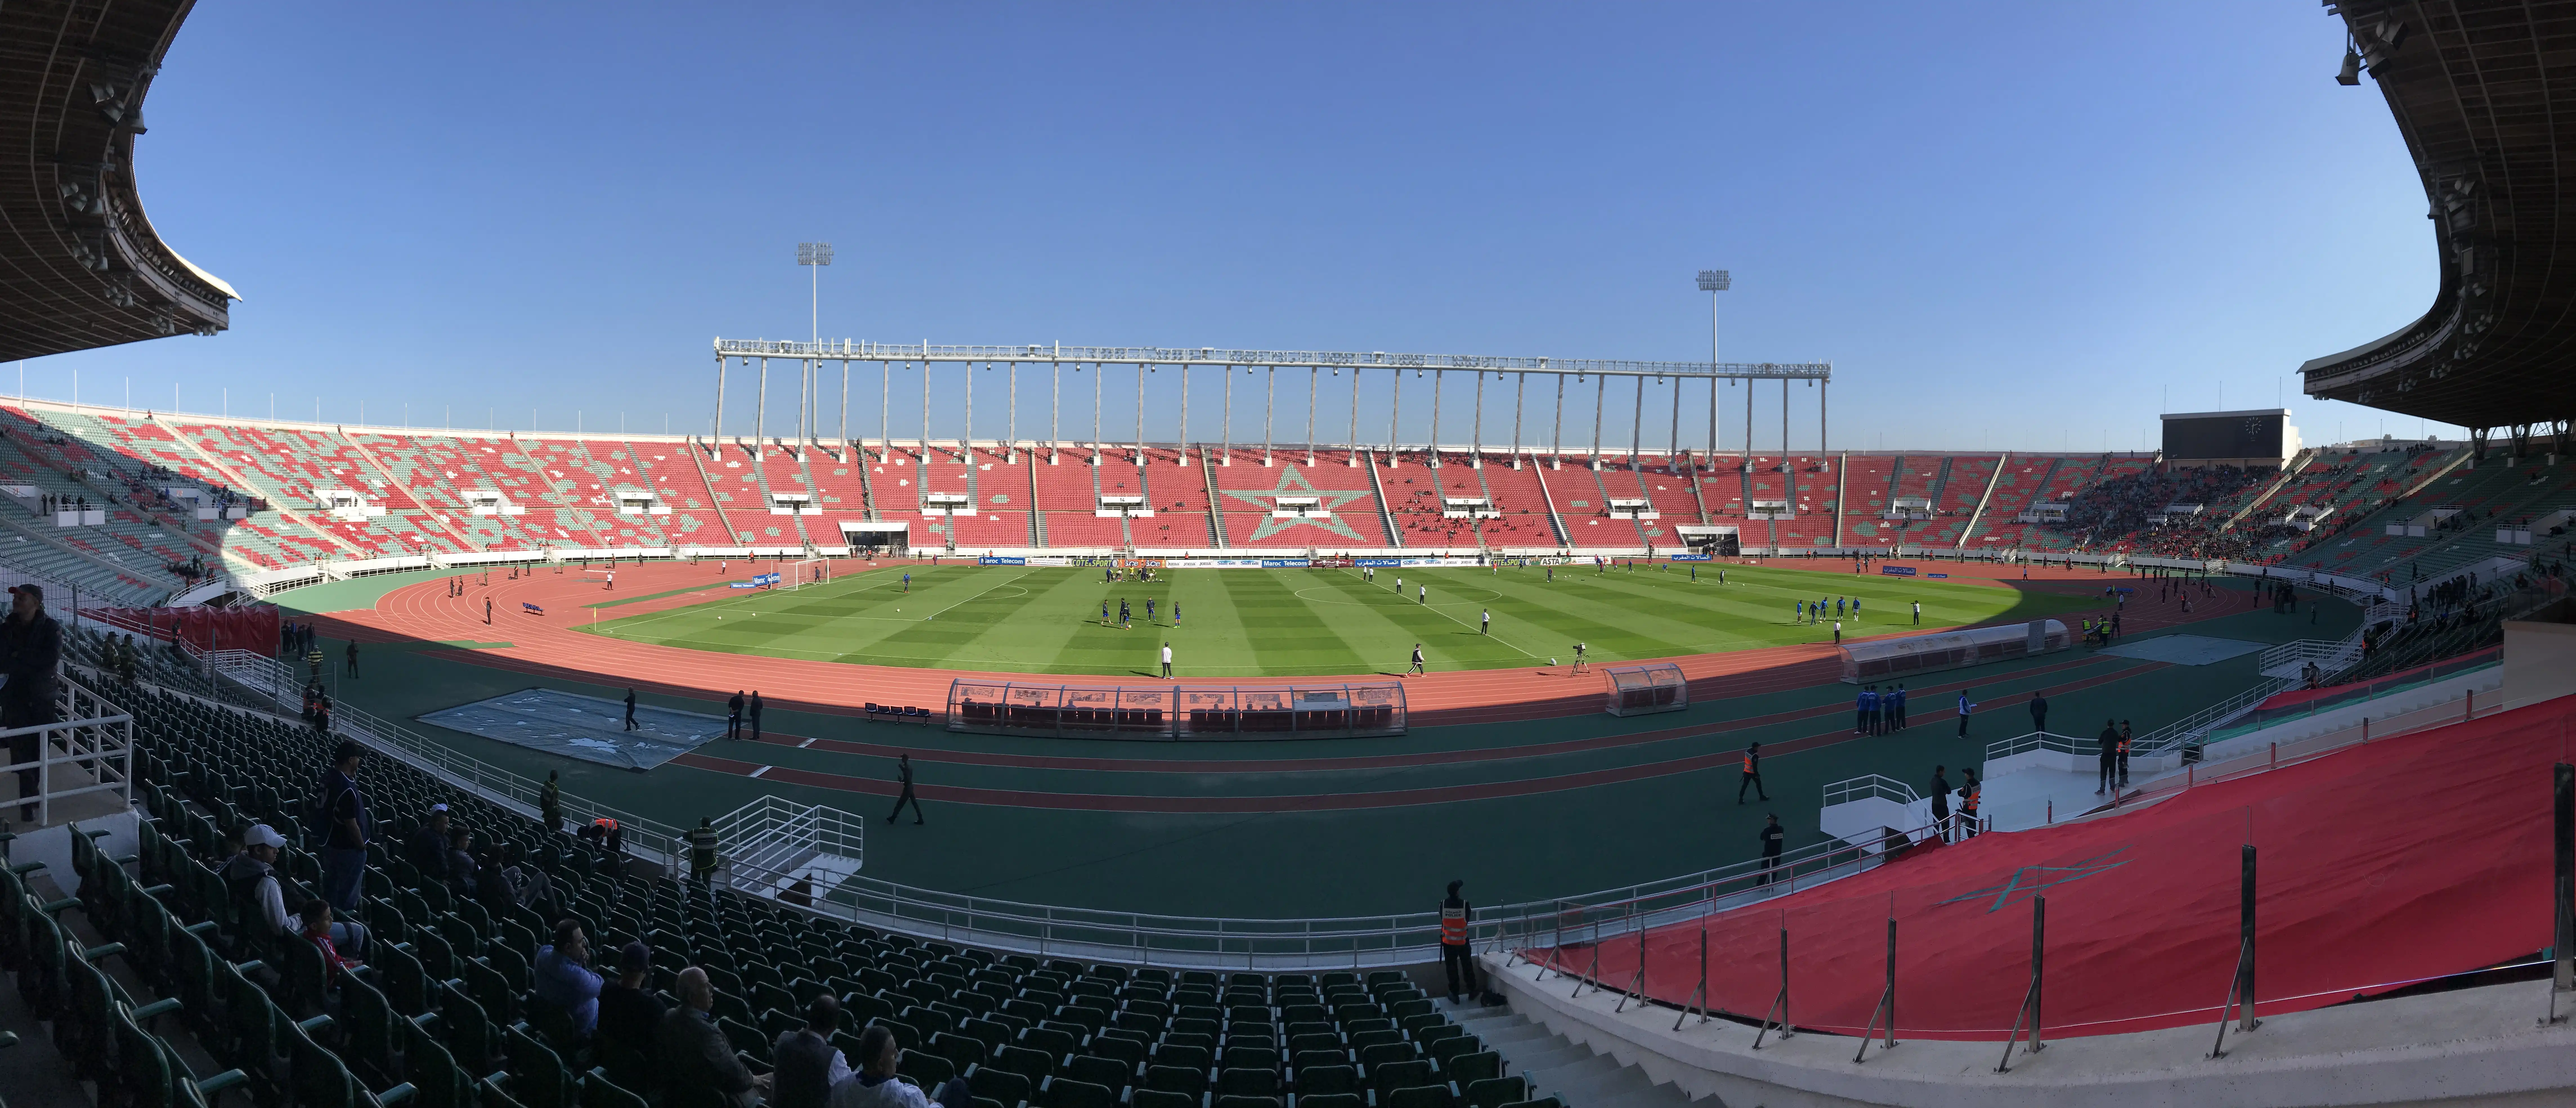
x: 1454, y: 957
x: 1752, y: 774
x: 1969, y: 794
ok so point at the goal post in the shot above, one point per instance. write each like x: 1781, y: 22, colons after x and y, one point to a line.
x: 806, y: 571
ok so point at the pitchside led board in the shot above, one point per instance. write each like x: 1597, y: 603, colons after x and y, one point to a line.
x: 2252, y: 439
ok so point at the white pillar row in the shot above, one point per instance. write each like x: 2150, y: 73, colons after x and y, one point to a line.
x: 760, y: 412
x: 721, y: 363
x: 1185, y: 416
x: 1269, y: 400
x: 1225, y: 433
x: 1055, y: 414
x: 1099, y: 386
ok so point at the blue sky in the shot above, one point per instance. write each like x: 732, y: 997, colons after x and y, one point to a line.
x: 2021, y: 226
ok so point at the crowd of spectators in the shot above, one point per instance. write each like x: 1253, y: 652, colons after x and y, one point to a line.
x: 2120, y: 512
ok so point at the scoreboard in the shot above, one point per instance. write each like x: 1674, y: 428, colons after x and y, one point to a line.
x: 2256, y: 437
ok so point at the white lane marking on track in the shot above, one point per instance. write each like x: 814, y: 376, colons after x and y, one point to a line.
x: 761, y: 770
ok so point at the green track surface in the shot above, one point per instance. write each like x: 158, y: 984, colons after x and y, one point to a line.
x: 1306, y: 622
x: 1566, y: 842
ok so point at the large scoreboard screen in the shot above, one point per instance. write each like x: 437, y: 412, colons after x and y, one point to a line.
x: 2256, y: 434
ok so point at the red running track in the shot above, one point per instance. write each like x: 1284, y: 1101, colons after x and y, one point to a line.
x: 549, y: 644
x: 2380, y: 866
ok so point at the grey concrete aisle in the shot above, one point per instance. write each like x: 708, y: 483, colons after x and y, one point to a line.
x: 1556, y: 1066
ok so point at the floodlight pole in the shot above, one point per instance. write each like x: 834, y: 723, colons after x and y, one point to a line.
x: 1311, y: 374
x: 1225, y: 433
x: 721, y: 363
x: 1351, y: 460
x: 1673, y: 441
x: 1269, y: 400
x: 1394, y: 411
x: 1011, y: 445
x: 1556, y: 435
x: 1600, y: 395
x: 1055, y: 413
x: 1476, y: 427
x: 760, y: 412
x: 1099, y: 386
x: 1637, y: 425
x: 1520, y: 399
x: 1438, y: 376
x: 1713, y: 282
x: 1185, y: 416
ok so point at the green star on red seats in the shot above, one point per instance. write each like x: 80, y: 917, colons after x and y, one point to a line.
x: 1294, y: 483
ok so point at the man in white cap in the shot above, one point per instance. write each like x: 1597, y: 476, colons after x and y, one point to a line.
x: 250, y: 882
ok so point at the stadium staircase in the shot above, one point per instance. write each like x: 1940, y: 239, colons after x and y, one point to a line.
x: 1037, y: 508
x: 2279, y: 481
x: 1207, y: 480
x: 1978, y: 512
x: 1842, y: 486
x: 699, y: 452
x: 1558, y: 1068
x: 1564, y: 538
x: 1698, y: 498
x: 1385, y: 507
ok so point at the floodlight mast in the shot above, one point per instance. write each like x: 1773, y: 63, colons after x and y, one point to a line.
x: 814, y: 255
x: 1713, y: 282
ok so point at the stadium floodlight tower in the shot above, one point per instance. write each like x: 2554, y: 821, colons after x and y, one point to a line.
x: 814, y: 256
x: 1713, y: 282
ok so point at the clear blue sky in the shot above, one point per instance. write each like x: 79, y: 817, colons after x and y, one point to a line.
x: 2007, y: 225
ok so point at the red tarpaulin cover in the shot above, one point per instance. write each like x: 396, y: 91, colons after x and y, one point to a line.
x: 2383, y: 864
x: 251, y: 627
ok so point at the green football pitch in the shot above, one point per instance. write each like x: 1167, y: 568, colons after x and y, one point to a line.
x: 1304, y: 622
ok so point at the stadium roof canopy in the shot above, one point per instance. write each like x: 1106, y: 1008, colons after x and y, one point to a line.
x: 2484, y: 92
x: 80, y: 266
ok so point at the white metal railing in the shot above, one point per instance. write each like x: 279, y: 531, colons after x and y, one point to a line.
x: 2188, y: 730
x: 1871, y: 787
x: 2041, y: 740
x: 92, y: 735
x: 770, y: 836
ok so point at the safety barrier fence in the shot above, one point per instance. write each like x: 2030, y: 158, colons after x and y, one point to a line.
x: 91, y: 740
x: 2276, y: 755
x: 2312, y: 702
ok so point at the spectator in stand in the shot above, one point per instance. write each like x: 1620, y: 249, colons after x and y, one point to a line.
x: 876, y: 1086
x: 697, y: 1063
x: 564, y: 978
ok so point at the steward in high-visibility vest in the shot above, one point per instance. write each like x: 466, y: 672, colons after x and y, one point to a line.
x: 702, y: 850
x: 1969, y: 795
x: 1455, y: 955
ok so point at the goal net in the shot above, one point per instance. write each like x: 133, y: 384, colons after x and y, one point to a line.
x: 806, y: 571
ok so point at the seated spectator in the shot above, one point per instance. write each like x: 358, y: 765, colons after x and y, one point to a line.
x: 628, y: 1010
x: 564, y: 978
x: 698, y: 1065
x: 317, y: 930
x: 875, y: 1085
x: 259, y: 902
x: 808, y: 1065
x: 460, y: 861
x: 426, y: 850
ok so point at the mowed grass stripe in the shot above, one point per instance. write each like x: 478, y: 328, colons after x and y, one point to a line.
x: 1299, y: 622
